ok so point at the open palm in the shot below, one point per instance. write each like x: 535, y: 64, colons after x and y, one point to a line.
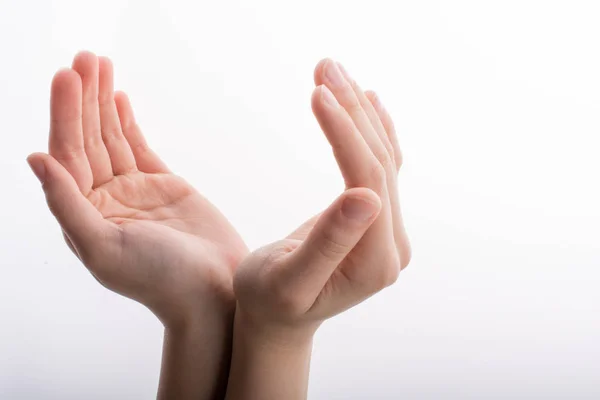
x: 141, y: 230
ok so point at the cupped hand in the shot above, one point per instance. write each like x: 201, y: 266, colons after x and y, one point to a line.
x: 140, y: 230
x: 358, y: 245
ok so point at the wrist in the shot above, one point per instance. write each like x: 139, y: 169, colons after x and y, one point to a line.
x: 207, y: 309
x: 196, y: 354
x: 275, y: 337
x: 206, y: 317
x: 269, y: 362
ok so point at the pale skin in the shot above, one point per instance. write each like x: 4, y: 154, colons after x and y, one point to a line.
x: 141, y: 231
x: 145, y: 233
x: 337, y: 259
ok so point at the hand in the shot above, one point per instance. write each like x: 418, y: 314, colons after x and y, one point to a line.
x: 141, y: 230
x: 353, y: 249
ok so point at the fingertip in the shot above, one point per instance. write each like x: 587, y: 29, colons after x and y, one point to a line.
x: 105, y: 63
x: 46, y: 168
x: 316, y: 93
x: 123, y: 103
x: 371, y: 95
x: 344, y: 72
x: 37, y: 165
x: 84, y: 60
x: 361, y: 204
x: 105, y: 80
x: 323, y: 96
x: 36, y: 155
x: 65, y: 95
x: 374, y: 99
x: 66, y: 81
x: 124, y: 109
x: 319, y: 70
x: 328, y: 98
x: 121, y: 96
x: 315, y: 98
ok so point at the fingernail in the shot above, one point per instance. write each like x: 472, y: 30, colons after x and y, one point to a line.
x: 333, y: 74
x: 358, y: 209
x: 345, y: 73
x: 374, y: 97
x: 38, y: 168
x: 328, y: 97
x: 377, y: 101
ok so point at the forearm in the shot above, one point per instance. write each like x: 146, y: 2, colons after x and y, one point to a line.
x: 267, y: 369
x: 196, y: 355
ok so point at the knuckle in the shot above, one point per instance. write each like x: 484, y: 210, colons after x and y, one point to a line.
x: 386, y: 159
x: 105, y: 99
x: 391, y: 154
x: 377, y: 175
x: 93, y: 137
x: 71, y: 154
x: 375, y: 100
x: 353, y: 106
x: 405, y: 257
x: 349, y: 100
x: 387, y: 274
x: 398, y: 158
x: 330, y: 247
x: 110, y: 136
x: 390, y: 125
x: 140, y: 147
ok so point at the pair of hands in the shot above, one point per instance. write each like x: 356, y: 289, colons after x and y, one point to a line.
x: 145, y: 233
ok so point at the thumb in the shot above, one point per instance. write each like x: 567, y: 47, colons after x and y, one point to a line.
x: 339, y: 228
x: 79, y: 219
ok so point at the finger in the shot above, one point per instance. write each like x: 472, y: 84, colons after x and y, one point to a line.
x: 388, y: 125
x: 337, y: 231
x: 356, y: 161
x: 368, y: 108
x: 374, y: 133
x: 121, y: 156
x: 400, y: 235
x: 388, y: 162
x: 86, y: 65
x: 145, y: 158
x: 66, y: 137
x: 79, y: 219
x: 328, y: 73
x: 360, y: 169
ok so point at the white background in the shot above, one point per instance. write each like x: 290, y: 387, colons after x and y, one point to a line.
x: 497, y: 104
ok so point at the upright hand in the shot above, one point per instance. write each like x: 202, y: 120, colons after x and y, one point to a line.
x: 355, y: 248
x: 358, y: 245
x: 140, y: 230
